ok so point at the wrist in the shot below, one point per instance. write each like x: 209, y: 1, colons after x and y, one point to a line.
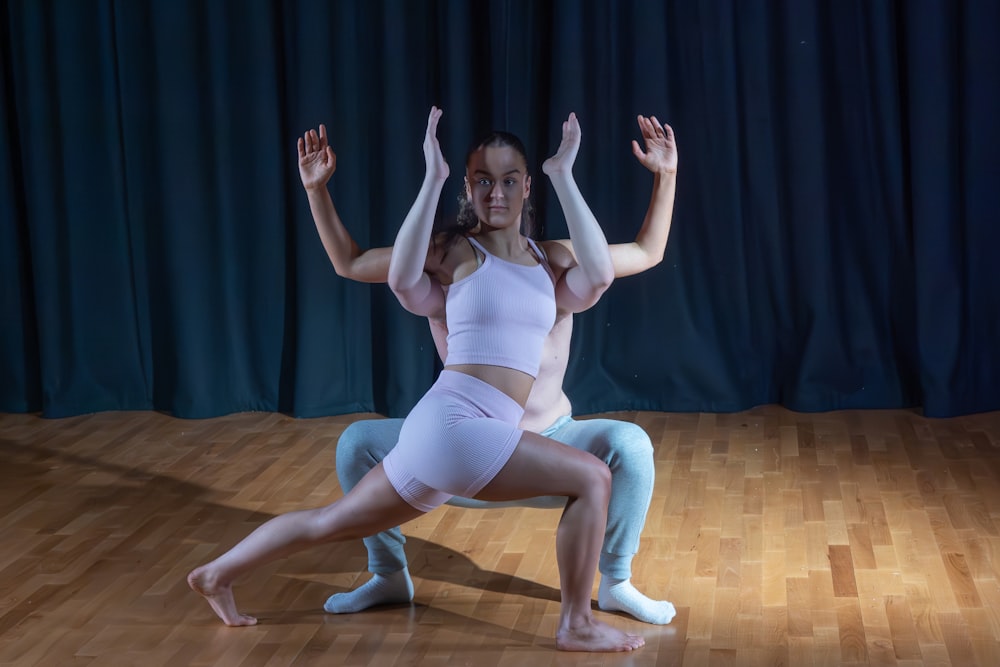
x: 561, y: 179
x: 435, y: 179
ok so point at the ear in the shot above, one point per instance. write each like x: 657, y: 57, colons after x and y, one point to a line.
x: 527, y: 186
x: 468, y: 190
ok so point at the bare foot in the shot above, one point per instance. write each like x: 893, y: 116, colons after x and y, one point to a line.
x: 596, y: 637
x: 220, y: 597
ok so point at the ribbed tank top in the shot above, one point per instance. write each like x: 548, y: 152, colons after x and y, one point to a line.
x: 501, y: 313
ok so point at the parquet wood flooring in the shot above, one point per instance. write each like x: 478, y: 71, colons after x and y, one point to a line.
x: 843, y: 538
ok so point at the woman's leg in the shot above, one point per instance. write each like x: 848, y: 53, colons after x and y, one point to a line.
x: 540, y: 466
x: 627, y: 450
x: 372, y: 505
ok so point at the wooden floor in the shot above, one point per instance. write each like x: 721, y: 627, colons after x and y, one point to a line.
x: 847, y: 538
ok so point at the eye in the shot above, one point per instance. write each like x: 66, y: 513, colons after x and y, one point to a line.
x: 509, y: 181
x: 484, y: 181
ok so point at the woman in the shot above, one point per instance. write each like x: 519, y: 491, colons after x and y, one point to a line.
x: 462, y: 438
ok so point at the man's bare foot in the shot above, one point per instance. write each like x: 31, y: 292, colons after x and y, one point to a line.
x: 220, y: 597
x: 595, y: 636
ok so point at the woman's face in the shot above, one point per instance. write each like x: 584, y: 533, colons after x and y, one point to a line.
x: 497, y: 183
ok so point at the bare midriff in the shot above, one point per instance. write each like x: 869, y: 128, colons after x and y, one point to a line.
x: 514, y: 383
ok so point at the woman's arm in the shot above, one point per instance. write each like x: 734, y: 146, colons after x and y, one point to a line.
x: 585, y: 280
x: 317, y: 162
x: 415, y: 289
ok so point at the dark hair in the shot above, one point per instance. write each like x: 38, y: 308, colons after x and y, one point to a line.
x: 466, y: 220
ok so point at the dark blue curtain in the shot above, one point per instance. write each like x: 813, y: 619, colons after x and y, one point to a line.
x: 833, y: 241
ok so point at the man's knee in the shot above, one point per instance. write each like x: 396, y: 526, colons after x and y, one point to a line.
x: 353, y: 442
x: 362, y: 446
x: 630, y: 442
x: 620, y: 444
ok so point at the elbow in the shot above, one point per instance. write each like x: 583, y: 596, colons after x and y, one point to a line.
x: 603, y: 280
x: 394, y: 277
x: 400, y: 292
x: 352, y: 273
x: 654, y: 259
x: 398, y: 283
x: 596, y: 285
x: 604, y: 275
x: 600, y: 270
x: 649, y: 258
x: 341, y: 265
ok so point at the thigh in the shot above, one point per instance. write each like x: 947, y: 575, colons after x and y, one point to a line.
x: 455, y: 439
x: 372, y: 506
x: 541, y: 466
x: 607, y: 439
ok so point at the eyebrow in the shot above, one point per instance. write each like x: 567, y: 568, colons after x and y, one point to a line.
x: 507, y: 173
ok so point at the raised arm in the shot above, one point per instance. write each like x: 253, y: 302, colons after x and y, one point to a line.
x: 416, y: 290
x: 317, y: 162
x: 660, y: 157
x: 586, y: 279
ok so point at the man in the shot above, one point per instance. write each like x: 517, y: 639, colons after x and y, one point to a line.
x: 624, y: 446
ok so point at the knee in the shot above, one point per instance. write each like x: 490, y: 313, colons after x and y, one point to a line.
x: 351, y: 445
x: 359, y: 449
x: 599, y: 480
x: 629, y: 447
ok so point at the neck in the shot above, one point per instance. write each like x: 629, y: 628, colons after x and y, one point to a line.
x: 503, y: 241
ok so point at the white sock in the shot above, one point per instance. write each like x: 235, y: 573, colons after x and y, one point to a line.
x: 395, y: 588
x: 621, y: 595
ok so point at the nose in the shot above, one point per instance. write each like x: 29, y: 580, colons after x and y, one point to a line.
x: 496, y: 192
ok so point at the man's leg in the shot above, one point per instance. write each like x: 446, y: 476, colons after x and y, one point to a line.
x: 627, y: 450
x: 360, y: 448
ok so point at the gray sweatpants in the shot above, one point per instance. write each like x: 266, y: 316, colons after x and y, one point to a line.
x: 624, y: 446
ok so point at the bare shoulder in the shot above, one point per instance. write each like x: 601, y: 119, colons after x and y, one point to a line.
x: 450, y: 261
x: 559, y: 253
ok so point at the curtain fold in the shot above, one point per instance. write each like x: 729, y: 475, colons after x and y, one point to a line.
x: 832, y: 244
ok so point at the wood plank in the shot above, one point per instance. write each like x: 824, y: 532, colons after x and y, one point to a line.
x: 845, y: 538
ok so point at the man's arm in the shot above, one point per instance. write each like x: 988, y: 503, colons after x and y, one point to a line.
x: 317, y: 162
x: 660, y: 157
x: 349, y: 260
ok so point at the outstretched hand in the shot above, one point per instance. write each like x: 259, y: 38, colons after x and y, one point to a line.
x: 565, y: 156
x: 317, y: 161
x: 436, y: 165
x: 661, y: 149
